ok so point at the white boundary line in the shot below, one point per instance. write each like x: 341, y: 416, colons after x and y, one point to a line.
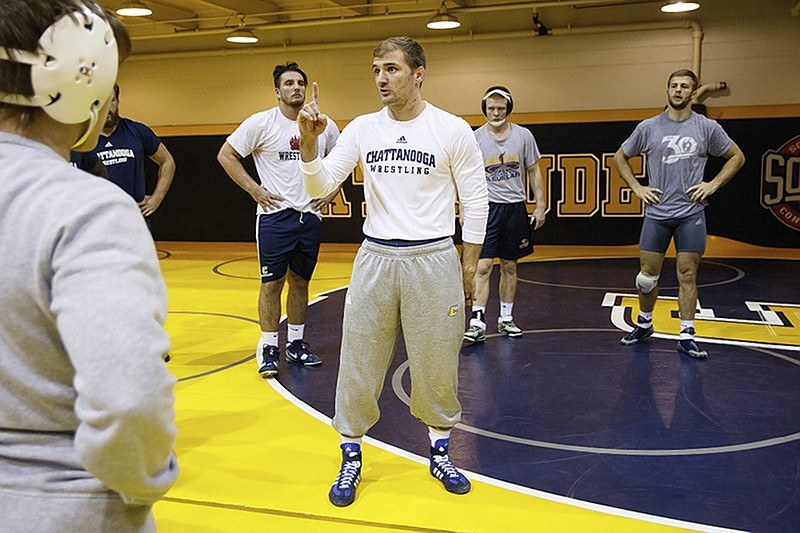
x: 614, y: 511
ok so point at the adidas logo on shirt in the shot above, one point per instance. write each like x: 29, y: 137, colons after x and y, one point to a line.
x: 401, y: 140
x: 108, y: 144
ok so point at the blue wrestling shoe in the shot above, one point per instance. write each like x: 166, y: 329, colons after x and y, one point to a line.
x: 637, y: 334
x: 269, y: 361
x: 297, y: 352
x: 444, y: 470
x: 343, y: 491
x: 690, y: 347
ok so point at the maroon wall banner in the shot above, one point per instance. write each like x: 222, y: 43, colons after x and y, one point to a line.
x: 780, y: 183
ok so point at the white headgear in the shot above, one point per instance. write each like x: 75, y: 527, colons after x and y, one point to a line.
x: 497, y: 91
x: 73, y: 72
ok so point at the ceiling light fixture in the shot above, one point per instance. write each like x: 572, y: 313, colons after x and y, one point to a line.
x: 134, y: 9
x: 443, y: 20
x: 242, y: 36
x: 679, y: 6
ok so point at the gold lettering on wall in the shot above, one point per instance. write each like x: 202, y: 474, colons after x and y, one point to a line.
x: 580, y: 185
x: 619, y: 200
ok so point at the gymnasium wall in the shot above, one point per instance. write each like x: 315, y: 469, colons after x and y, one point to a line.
x: 579, y: 94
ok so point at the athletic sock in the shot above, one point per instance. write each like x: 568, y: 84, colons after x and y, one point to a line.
x: 436, y: 434
x: 269, y: 338
x: 350, y: 440
x: 505, y: 311
x: 478, y: 316
x: 294, y: 332
x: 645, y: 319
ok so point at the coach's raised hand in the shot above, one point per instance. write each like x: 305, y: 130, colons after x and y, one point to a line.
x: 311, y: 124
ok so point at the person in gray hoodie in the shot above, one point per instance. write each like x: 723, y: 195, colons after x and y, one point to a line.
x: 87, y: 427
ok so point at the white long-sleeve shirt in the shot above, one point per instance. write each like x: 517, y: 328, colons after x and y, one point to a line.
x: 414, y: 172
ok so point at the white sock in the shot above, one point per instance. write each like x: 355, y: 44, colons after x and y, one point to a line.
x: 686, y: 324
x: 505, y: 311
x: 435, y: 435
x: 294, y: 332
x: 645, y: 319
x: 478, y: 314
x: 269, y: 338
x: 350, y: 440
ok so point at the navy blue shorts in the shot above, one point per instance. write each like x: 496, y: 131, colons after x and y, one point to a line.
x: 290, y: 239
x: 508, y: 232
x: 689, y: 233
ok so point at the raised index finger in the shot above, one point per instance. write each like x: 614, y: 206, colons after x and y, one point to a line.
x: 315, y: 93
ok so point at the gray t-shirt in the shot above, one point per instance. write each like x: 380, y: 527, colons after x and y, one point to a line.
x: 677, y: 153
x: 86, y: 402
x: 505, y: 162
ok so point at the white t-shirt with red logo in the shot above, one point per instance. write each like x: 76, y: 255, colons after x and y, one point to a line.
x: 274, y: 142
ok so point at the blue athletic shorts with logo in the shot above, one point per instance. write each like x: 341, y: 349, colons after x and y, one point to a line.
x: 689, y: 233
x: 287, y: 239
x: 508, y: 232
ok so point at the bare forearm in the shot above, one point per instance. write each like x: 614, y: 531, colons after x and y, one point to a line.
x: 470, y: 253
x: 166, y: 173
x: 537, y: 183
x: 625, y: 170
x: 732, y: 165
x: 236, y: 171
x: 309, y: 150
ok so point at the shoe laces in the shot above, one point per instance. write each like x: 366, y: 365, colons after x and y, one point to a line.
x: 443, y: 463
x: 348, y: 473
x: 270, y: 351
x: 301, y: 345
x: 690, y: 344
x: 301, y: 348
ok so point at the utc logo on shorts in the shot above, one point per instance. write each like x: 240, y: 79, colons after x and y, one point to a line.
x: 524, y: 243
x: 265, y: 271
x: 453, y: 310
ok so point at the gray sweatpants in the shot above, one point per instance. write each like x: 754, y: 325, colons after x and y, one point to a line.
x: 417, y: 290
x: 26, y: 512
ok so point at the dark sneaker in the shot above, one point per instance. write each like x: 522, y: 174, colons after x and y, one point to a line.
x: 297, y: 352
x: 343, y: 491
x: 444, y: 470
x: 269, y: 361
x: 507, y: 327
x: 637, y: 334
x: 475, y: 334
x: 690, y: 347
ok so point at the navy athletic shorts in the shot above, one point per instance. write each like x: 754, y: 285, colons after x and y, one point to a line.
x: 508, y: 232
x: 290, y: 239
x: 689, y: 233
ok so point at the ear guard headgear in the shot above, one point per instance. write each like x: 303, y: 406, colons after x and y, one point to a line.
x: 498, y: 91
x: 73, y: 72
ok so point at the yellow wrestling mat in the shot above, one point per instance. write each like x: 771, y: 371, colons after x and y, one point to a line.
x: 254, y: 459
